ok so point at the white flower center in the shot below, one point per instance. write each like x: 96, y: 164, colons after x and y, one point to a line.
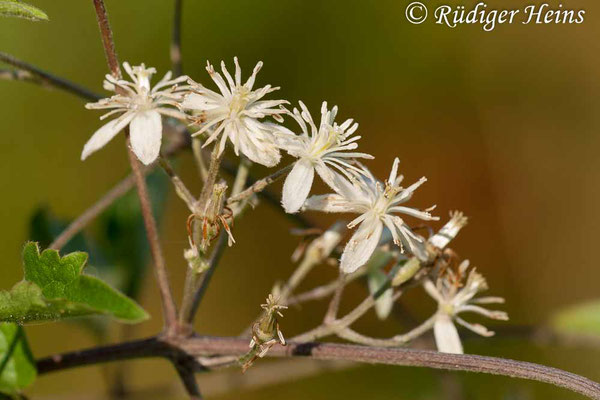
x: 239, y: 101
x: 327, y: 137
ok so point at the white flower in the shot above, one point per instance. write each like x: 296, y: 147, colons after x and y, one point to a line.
x: 141, y: 108
x: 323, y: 149
x: 453, y: 298
x: 235, y: 114
x: 377, y: 205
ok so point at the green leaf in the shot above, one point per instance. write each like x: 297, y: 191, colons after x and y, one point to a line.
x: 582, y: 319
x: 55, y: 288
x: 16, y: 8
x: 17, y: 366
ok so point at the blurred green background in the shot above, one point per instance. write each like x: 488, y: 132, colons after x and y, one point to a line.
x: 504, y: 125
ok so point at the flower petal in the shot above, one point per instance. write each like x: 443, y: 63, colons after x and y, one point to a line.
x: 361, y: 245
x: 297, y: 186
x: 104, y: 135
x: 146, y: 136
x: 328, y: 203
x: 446, y: 335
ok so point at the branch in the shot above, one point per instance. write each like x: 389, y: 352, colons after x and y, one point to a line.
x: 205, y: 345
x: 168, y: 303
x: 119, y: 190
x: 259, y: 185
x: 31, y: 73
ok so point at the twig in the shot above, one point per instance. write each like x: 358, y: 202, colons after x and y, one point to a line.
x: 176, y: 39
x: 45, y: 78
x: 211, y: 178
x: 189, y: 381
x: 168, y: 304
x: 180, y: 188
x: 119, y: 190
x: 199, y: 157
x: 334, y: 304
x: 203, y: 285
x: 259, y: 185
x: 97, y: 208
x: 202, y: 346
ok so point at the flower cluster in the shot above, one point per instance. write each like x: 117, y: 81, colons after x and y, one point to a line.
x: 238, y: 113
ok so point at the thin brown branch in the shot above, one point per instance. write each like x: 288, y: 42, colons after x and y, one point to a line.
x: 107, y: 38
x: 119, y: 190
x: 180, y: 188
x: 259, y: 185
x: 200, y: 290
x: 203, y: 346
x: 168, y: 303
x: 175, y: 52
x: 33, y: 74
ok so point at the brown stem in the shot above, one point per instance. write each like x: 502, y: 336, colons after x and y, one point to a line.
x: 204, y: 345
x: 162, y: 278
x: 259, y: 185
x: 44, y: 78
x: 168, y: 304
x: 202, y: 285
x: 107, y: 39
x: 119, y: 190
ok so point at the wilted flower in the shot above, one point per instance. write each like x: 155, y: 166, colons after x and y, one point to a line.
x: 449, y: 230
x: 141, y: 108
x: 235, y: 114
x: 265, y: 332
x: 325, y: 148
x: 377, y: 205
x: 453, y: 299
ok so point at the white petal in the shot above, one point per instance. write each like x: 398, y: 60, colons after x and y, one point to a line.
x: 146, y: 136
x: 446, y: 335
x: 297, y: 186
x: 103, y: 135
x: 329, y: 203
x: 361, y: 245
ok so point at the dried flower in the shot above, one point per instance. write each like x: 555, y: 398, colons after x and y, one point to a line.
x: 236, y: 114
x: 453, y: 298
x: 141, y: 108
x: 377, y: 205
x: 326, y: 149
x: 449, y: 231
x: 265, y: 332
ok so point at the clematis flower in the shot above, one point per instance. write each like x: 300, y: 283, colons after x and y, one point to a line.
x: 326, y: 149
x: 141, y: 108
x: 236, y: 114
x: 453, y: 299
x: 378, y: 205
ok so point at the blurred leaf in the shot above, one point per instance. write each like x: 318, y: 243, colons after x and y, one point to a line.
x: 17, y: 366
x: 383, y: 305
x: 55, y: 288
x: 16, y: 8
x: 583, y: 319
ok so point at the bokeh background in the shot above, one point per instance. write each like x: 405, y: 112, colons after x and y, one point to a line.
x: 504, y: 124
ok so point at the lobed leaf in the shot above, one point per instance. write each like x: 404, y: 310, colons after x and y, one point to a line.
x: 55, y: 288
